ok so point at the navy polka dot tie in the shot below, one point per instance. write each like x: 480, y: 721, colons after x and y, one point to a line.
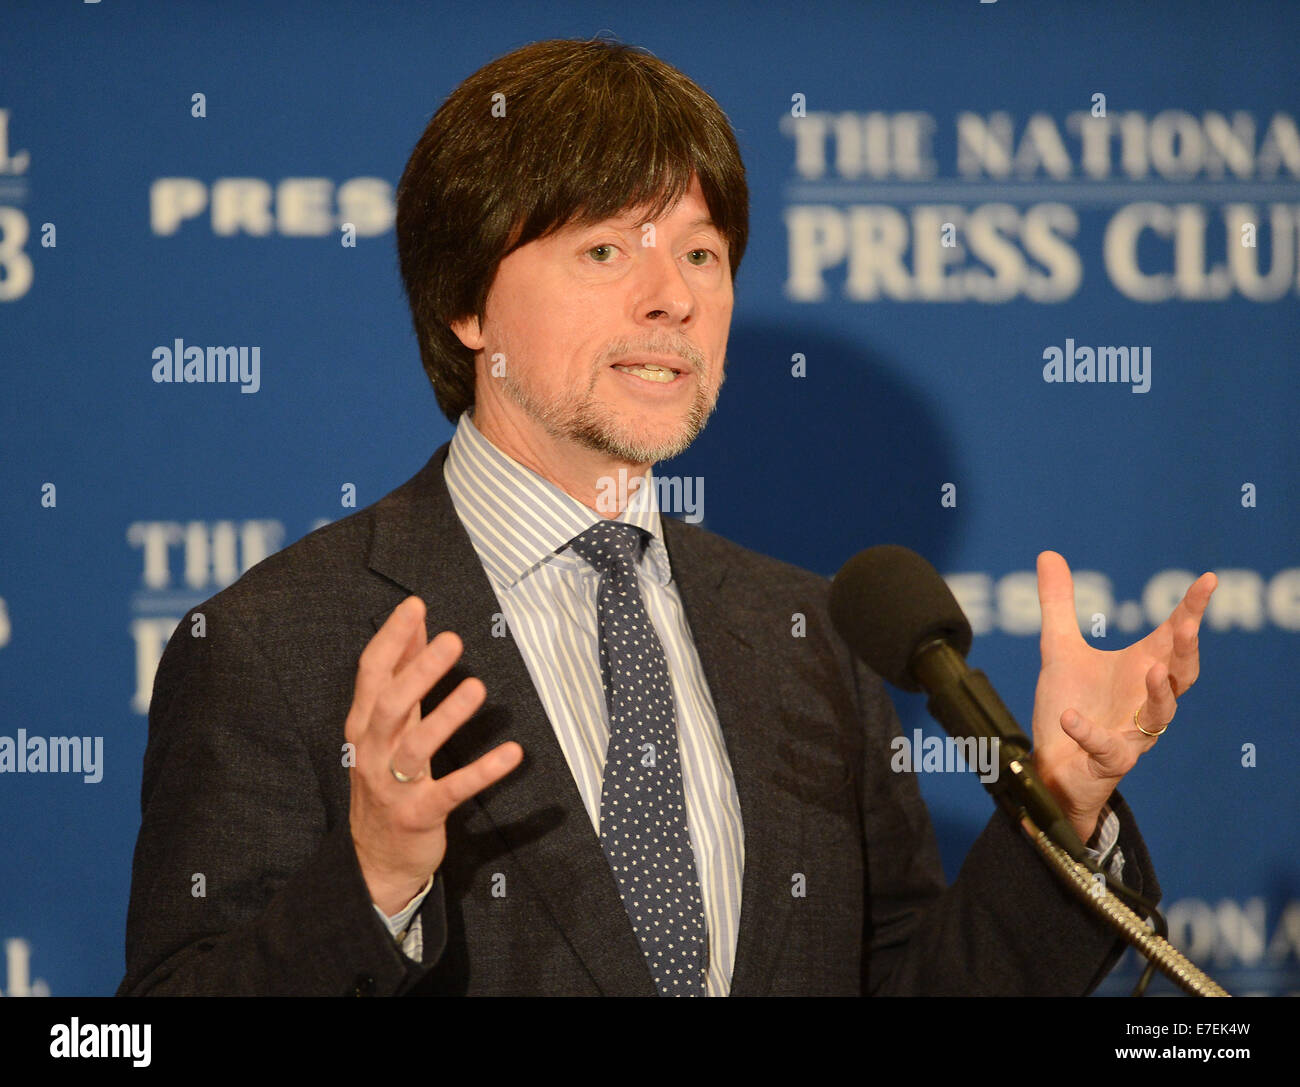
x: 642, y: 809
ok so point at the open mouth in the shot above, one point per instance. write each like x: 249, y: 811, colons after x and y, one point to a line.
x: 660, y: 371
x: 660, y: 374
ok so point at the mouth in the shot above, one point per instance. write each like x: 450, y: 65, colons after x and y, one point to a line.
x: 657, y: 369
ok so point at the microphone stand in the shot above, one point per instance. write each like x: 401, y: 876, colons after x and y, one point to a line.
x: 963, y: 700
x: 1102, y: 902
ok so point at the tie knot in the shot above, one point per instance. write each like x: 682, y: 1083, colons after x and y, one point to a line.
x: 607, y: 544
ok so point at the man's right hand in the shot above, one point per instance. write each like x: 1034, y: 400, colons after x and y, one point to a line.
x: 399, y: 828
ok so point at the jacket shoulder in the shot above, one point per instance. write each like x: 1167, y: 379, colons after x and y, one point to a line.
x: 324, y: 573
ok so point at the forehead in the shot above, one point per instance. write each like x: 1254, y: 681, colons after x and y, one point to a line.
x: 630, y: 220
x: 691, y: 203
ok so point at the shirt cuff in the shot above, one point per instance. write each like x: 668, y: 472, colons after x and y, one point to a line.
x: 400, y: 922
x: 1106, y: 852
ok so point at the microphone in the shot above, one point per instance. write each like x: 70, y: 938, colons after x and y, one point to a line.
x: 897, y: 614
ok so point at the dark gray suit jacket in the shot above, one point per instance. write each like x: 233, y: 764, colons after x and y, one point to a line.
x: 245, y: 784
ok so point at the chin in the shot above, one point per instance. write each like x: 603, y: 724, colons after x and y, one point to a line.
x: 638, y: 444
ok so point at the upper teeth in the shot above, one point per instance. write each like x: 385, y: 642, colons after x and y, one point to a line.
x: 650, y: 372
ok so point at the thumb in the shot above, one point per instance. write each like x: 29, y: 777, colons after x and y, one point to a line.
x: 1101, y: 746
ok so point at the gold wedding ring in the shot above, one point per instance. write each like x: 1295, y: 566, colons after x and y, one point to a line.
x: 1139, y: 725
x: 405, y: 779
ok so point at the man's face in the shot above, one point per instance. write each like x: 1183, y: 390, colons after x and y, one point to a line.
x: 570, y: 316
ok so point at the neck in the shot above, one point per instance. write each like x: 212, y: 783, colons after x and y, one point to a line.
x: 600, y: 482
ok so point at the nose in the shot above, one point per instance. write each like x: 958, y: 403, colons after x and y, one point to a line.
x: 666, y: 296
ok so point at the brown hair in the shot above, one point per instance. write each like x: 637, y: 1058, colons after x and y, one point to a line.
x: 590, y: 129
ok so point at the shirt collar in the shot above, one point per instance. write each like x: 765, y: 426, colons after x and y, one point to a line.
x: 517, y: 520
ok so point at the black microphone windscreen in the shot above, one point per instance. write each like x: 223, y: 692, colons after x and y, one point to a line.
x: 886, y: 602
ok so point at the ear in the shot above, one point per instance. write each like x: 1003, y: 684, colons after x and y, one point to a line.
x: 468, y: 332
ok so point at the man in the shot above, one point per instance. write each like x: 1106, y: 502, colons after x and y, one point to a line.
x: 660, y: 790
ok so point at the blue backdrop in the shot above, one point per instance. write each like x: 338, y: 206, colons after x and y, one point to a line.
x: 941, y: 195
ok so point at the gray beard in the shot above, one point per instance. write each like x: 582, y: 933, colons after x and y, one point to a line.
x: 580, y: 421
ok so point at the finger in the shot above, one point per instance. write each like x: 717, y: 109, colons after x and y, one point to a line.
x: 410, y: 651
x: 418, y: 743
x: 457, y: 787
x: 1195, y: 600
x: 404, y: 691
x: 1183, y: 627
x: 1159, y: 708
x: 380, y: 658
x: 1185, y: 665
x: 1104, y: 747
x: 1056, y: 600
x: 414, y: 644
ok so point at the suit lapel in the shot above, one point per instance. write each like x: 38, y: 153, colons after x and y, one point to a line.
x: 728, y: 629
x: 420, y: 544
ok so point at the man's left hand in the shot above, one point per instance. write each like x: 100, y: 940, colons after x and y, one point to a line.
x: 1085, y: 737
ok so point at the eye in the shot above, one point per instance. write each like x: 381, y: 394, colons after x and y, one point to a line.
x: 706, y: 253
x: 597, y: 248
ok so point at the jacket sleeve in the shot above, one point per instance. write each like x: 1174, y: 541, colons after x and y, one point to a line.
x: 1005, y: 927
x: 241, y: 885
